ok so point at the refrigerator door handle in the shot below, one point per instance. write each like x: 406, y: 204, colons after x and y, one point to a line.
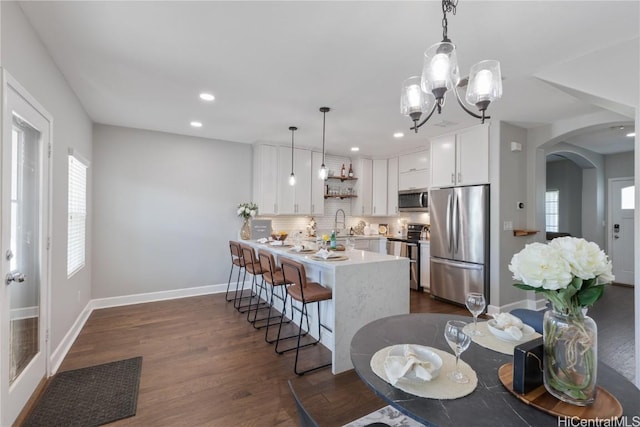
x: 462, y: 265
x: 448, y: 221
x: 456, y: 223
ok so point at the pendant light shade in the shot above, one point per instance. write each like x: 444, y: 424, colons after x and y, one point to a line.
x: 323, y: 169
x: 485, y: 84
x: 414, y: 101
x: 292, y: 177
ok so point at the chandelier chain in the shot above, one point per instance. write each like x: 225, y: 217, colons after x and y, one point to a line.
x: 448, y: 6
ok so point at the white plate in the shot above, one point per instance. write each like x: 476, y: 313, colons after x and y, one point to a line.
x: 423, y: 353
x: 527, y: 331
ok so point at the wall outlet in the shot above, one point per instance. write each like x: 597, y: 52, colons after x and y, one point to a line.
x: 507, y: 225
x: 519, y: 205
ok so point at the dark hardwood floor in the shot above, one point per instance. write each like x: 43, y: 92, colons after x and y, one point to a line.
x: 205, y: 365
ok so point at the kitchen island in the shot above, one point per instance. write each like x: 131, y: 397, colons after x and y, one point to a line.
x: 366, y: 287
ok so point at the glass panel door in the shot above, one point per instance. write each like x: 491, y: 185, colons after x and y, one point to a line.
x: 24, y: 247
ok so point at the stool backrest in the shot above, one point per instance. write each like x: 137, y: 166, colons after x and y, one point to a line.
x: 248, y: 254
x: 236, y: 252
x: 294, y: 272
x: 268, y: 264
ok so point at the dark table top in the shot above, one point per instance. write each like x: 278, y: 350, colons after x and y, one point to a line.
x: 490, y: 404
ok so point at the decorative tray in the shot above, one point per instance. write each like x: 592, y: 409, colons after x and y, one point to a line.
x: 606, y: 405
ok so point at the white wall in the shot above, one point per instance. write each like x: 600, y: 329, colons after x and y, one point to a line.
x: 165, y: 209
x: 27, y: 60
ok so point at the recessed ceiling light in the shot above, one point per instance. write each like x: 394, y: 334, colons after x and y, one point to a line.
x: 207, y: 96
x: 196, y: 124
x: 398, y: 135
x: 355, y: 148
x: 631, y: 134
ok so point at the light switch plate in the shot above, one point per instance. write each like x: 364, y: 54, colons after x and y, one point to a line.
x: 507, y: 225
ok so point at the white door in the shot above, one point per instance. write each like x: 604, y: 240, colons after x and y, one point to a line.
x: 621, y: 230
x: 24, y: 254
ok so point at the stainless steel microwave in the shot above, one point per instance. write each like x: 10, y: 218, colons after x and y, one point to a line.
x: 413, y: 200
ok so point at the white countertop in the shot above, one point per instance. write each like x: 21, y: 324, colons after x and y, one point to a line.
x: 356, y: 256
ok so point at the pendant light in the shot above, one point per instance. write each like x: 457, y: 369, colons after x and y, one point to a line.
x: 441, y: 74
x: 292, y: 177
x: 323, y: 169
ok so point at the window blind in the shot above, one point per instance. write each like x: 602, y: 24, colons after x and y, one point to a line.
x: 77, y: 215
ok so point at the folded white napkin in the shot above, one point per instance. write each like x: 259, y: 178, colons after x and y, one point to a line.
x: 298, y: 247
x: 277, y: 243
x: 400, y: 366
x: 510, y: 324
x: 323, y: 253
x: 262, y: 240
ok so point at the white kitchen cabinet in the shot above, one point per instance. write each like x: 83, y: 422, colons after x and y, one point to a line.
x: 372, y: 245
x: 379, y: 187
x: 413, y: 170
x: 392, y: 186
x: 265, y: 179
x: 461, y: 158
x: 361, y: 205
x: 317, y: 185
x: 425, y: 266
x: 294, y: 199
x: 414, y: 161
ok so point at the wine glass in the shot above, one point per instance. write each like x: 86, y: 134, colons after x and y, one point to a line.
x: 459, y: 342
x: 350, y: 244
x: 475, y: 303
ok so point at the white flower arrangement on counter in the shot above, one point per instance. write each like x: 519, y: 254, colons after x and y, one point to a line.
x: 247, y: 210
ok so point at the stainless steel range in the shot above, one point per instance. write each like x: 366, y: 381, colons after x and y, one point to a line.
x: 409, y: 247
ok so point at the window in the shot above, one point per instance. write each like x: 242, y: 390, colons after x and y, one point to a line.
x: 551, y: 210
x: 627, y: 197
x: 77, y: 214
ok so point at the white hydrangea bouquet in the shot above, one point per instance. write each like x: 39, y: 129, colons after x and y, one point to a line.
x: 569, y: 271
x: 247, y: 210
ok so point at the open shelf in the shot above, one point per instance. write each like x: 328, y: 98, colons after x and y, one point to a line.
x: 343, y: 178
x: 519, y: 232
x: 339, y: 196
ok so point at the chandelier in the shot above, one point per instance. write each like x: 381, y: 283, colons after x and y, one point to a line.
x: 440, y: 74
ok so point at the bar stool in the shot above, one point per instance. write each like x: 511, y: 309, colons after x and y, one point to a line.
x: 272, y: 275
x: 251, y: 266
x: 236, y: 261
x: 305, y: 292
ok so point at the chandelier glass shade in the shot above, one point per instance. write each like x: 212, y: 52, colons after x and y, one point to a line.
x: 440, y: 74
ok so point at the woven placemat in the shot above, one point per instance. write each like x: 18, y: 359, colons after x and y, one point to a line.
x: 90, y: 396
x: 490, y: 341
x: 438, y: 388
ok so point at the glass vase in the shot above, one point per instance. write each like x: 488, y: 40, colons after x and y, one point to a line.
x: 570, y: 358
x: 245, y: 231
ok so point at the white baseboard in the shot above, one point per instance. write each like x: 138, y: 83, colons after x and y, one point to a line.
x: 62, y: 349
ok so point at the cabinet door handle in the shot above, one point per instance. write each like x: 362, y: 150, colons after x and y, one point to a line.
x: 453, y: 178
x: 459, y: 177
x: 313, y: 208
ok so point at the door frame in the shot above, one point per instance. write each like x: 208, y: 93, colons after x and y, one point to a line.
x: 46, y: 184
x: 610, y: 208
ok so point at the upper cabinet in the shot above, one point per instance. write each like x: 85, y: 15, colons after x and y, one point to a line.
x: 265, y: 178
x: 379, y: 188
x: 461, y: 158
x: 271, y: 189
x: 361, y: 205
x: 294, y: 199
x: 413, y: 170
x: 392, y: 186
x: 317, y: 185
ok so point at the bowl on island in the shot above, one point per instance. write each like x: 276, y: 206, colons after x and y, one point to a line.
x: 280, y: 236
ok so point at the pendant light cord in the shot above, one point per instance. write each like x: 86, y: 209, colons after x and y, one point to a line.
x: 324, y: 116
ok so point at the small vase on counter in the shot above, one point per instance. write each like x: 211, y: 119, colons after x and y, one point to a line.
x: 245, y: 230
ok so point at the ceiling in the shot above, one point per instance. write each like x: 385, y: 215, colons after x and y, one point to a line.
x: 271, y: 64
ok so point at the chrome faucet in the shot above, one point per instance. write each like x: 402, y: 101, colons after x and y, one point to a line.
x: 335, y: 220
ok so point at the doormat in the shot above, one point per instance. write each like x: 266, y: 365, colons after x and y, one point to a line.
x: 90, y: 396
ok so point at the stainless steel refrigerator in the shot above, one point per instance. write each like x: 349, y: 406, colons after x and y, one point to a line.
x: 459, y: 242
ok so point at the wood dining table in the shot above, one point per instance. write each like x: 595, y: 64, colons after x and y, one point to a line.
x: 490, y: 404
